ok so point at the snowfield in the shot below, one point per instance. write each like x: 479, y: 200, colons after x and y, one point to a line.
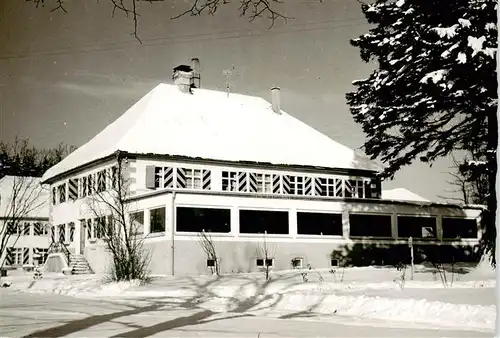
x: 368, y: 293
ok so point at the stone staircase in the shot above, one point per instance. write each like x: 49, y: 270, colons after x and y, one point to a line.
x: 79, y: 264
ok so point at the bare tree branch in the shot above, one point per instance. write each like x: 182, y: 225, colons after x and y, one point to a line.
x: 207, y: 244
x: 108, y: 202
x: 252, y: 9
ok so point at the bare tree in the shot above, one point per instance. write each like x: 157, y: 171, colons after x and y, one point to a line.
x: 121, y: 232
x: 207, y: 244
x: 266, y: 253
x: 469, y: 180
x: 251, y: 9
x: 20, y: 197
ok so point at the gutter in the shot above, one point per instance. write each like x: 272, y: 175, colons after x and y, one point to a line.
x: 172, y: 227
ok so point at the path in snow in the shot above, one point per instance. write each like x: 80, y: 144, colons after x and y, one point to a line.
x: 24, y: 314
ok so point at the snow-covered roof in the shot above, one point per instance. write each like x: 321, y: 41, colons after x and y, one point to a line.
x: 211, y: 125
x: 402, y: 194
x: 32, y: 196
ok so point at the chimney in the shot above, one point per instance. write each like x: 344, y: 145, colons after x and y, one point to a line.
x: 275, y: 96
x: 183, y: 78
x: 195, y: 64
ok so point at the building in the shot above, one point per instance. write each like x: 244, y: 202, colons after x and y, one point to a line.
x: 244, y: 170
x: 24, y: 212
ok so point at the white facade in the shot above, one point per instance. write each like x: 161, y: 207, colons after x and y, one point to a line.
x: 145, y: 199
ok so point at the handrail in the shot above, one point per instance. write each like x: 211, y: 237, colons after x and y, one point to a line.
x: 59, y: 246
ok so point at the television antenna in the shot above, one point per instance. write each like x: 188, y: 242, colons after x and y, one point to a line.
x: 227, y: 73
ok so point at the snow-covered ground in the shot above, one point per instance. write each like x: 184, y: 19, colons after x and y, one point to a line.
x: 463, y: 301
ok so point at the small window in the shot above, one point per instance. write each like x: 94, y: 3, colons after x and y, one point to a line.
x: 298, y: 263
x: 334, y: 263
x: 229, y: 181
x: 268, y: 262
x: 211, y: 263
x: 137, y: 223
x: 157, y: 220
x: 265, y: 183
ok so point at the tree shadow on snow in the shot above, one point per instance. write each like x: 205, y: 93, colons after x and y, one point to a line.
x: 236, y: 305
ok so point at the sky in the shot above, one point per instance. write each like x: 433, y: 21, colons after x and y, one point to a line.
x: 65, y: 76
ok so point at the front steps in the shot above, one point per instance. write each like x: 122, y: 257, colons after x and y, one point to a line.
x: 79, y: 265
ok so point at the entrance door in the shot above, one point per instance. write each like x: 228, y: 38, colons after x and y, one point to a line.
x: 83, y: 232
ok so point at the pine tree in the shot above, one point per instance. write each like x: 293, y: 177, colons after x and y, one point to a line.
x: 434, y: 90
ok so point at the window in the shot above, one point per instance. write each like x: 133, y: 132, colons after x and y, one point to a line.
x: 297, y: 263
x: 310, y: 223
x: 297, y: 185
x: 328, y: 186
x: 40, y: 229
x: 14, y: 256
x: 137, y: 222
x: 193, y: 178
x: 265, y: 183
x: 158, y: 177
x: 17, y: 256
x: 41, y: 254
x: 457, y: 228
x: 363, y: 225
x: 334, y: 263
x: 357, y: 188
x: 261, y: 262
x: 229, y: 181
x: 61, y: 190
x: 157, y: 220
x: 372, y: 188
x: 190, y: 219
x: 260, y: 221
x: 417, y: 227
